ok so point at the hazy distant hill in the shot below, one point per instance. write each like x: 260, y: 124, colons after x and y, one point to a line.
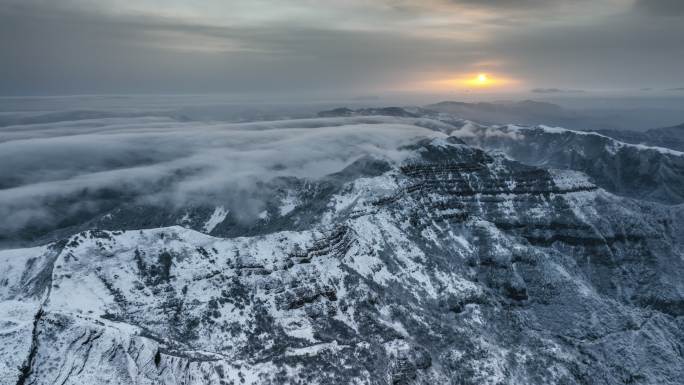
x: 529, y: 112
x: 668, y: 137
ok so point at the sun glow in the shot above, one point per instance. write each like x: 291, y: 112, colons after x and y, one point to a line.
x: 482, y: 80
x: 472, y: 82
x: 464, y: 82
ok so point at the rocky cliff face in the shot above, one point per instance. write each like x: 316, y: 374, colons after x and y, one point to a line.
x: 639, y: 171
x: 458, y: 265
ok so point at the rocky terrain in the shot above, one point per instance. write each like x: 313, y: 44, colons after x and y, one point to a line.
x: 669, y: 137
x: 484, y: 255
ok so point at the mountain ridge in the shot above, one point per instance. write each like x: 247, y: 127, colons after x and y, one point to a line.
x: 456, y: 265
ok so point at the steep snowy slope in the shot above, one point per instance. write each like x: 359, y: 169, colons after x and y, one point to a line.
x: 452, y: 266
x: 644, y: 172
x: 669, y: 137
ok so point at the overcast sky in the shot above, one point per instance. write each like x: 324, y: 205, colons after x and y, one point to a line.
x: 358, y: 47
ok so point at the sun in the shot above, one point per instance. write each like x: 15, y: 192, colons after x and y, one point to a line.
x: 472, y: 81
x: 482, y: 80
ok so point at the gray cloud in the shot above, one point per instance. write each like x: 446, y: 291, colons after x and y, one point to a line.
x: 56, y: 171
x: 554, y: 91
x: 355, y: 47
x: 527, y: 5
x: 76, y: 52
x: 621, y: 52
x: 673, y: 8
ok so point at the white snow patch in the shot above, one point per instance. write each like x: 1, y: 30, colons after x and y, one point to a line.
x: 315, y: 349
x: 569, y: 179
x: 288, y: 204
x: 614, y: 145
x: 217, y: 217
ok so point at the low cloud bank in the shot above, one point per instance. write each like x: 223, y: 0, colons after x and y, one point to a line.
x: 555, y: 91
x: 157, y: 160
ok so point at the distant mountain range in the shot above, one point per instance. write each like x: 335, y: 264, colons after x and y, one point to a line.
x: 523, y: 112
x: 529, y: 112
x: 669, y: 137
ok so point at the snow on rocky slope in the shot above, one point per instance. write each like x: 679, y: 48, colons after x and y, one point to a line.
x: 456, y: 265
x: 644, y: 172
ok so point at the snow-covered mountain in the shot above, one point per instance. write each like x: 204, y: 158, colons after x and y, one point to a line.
x: 635, y: 170
x: 473, y: 255
x: 670, y: 137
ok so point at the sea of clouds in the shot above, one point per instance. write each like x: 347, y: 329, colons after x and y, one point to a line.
x: 49, y: 169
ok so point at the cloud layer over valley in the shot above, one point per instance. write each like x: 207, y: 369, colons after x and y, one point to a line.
x: 53, y: 170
